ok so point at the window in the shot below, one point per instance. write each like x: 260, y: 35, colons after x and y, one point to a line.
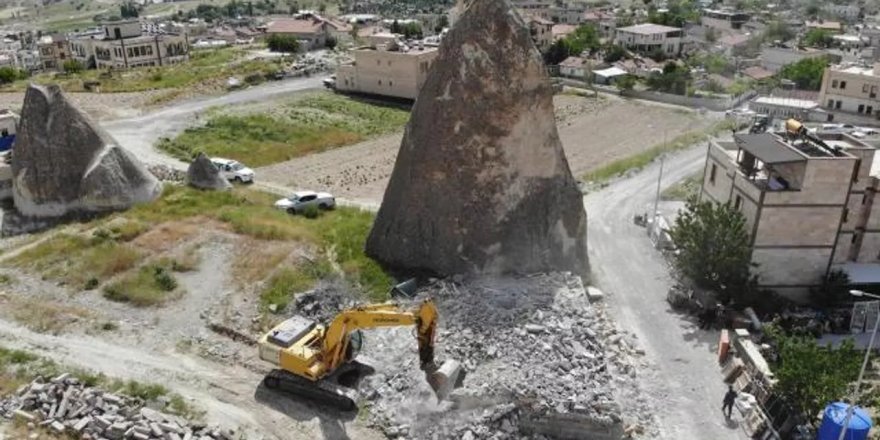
x: 380, y: 82
x: 837, y: 105
x: 378, y: 62
x: 861, y: 108
x: 738, y: 203
x: 4, y: 133
x: 712, y: 174
x: 834, y: 84
x: 842, y: 85
x: 873, y: 92
x: 869, y: 109
x: 845, y: 215
x: 830, y: 103
x: 129, y: 52
x: 853, y: 239
x: 390, y: 83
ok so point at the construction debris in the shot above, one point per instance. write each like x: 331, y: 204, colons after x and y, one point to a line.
x: 540, y: 360
x: 65, y: 405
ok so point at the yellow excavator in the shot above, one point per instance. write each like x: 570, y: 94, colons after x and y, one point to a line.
x: 316, y: 361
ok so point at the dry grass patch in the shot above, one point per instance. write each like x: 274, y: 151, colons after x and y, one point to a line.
x: 166, y: 236
x: 45, y: 316
x: 151, y: 285
x: 255, y: 260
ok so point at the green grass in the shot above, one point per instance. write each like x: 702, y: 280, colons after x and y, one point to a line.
x: 75, y: 259
x: 287, y: 282
x: 208, y: 68
x: 308, y: 125
x: 640, y: 160
x: 151, y: 285
x: 683, y: 189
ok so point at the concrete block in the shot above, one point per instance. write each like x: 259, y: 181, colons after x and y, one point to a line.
x: 23, y: 415
x: 594, y: 294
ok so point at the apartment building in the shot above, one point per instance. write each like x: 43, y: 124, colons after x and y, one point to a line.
x: 807, y: 200
x: 646, y: 38
x: 394, y: 69
x: 125, y: 44
x: 53, y: 51
x: 851, y: 89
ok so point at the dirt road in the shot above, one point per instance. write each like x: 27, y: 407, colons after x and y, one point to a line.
x: 593, y: 134
x: 683, y: 379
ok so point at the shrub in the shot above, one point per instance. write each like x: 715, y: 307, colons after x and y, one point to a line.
x: 311, y: 211
x: 91, y: 284
x: 72, y: 66
x: 282, y: 43
x: 164, y: 280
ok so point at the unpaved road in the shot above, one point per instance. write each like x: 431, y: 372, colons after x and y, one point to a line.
x: 683, y: 379
x: 140, y: 133
x: 592, y: 135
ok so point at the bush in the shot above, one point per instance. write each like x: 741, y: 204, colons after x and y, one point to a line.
x: 282, y: 43
x: 9, y: 74
x: 311, y: 211
x: 164, y: 280
x: 73, y: 66
x: 91, y: 284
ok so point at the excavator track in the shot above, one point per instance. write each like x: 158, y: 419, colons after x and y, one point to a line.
x: 325, y: 392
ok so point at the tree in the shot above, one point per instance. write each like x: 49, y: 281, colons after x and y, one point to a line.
x: 806, y: 73
x: 614, y: 53
x: 834, y: 290
x: 625, y: 82
x: 442, y: 23
x: 395, y: 27
x: 585, y: 37
x: 778, y: 30
x: 818, y: 38
x: 282, y: 43
x: 10, y: 74
x: 128, y: 10
x: 810, y: 376
x: 73, y: 66
x: 330, y: 43
x: 557, y: 52
x: 411, y: 30
x: 713, y: 247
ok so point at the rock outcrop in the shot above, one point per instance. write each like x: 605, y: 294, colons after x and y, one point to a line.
x: 65, y: 165
x: 202, y: 174
x: 481, y: 183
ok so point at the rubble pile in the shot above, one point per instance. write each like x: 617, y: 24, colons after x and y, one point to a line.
x: 534, y: 349
x: 65, y: 405
x: 166, y: 173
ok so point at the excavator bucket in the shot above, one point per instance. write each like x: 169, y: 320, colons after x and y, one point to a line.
x: 448, y: 377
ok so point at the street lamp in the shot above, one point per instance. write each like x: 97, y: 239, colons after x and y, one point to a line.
x: 852, y: 406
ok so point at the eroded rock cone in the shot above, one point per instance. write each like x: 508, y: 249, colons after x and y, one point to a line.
x: 65, y: 164
x: 202, y: 174
x: 481, y: 183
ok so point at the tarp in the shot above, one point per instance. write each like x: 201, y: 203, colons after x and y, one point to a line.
x: 834, y: 417
x: 6, y: 142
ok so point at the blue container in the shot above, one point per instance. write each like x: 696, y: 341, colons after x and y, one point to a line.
x: 6, y: 142
x: 832, y: 423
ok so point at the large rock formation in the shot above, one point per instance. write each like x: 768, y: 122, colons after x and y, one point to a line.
x: 65, y: 165
x: 481, y: 183
x: 202, y: 174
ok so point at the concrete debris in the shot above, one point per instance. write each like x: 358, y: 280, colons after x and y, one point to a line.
x: 65, y: 405
x: 166, y: 173
x: 539, y: 357
x: 483, y: 129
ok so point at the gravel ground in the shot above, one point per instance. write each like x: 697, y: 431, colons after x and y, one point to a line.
x: 100, y: 106
x: 593, y: 133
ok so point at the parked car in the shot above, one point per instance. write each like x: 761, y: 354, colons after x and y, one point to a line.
x: 329, y: 82
x: 300, y: 200
x: 232, y: 170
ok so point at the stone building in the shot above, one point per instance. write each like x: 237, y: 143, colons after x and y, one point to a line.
x: 851, y: 89
x: 808, y: 201
x: 646, y: 38
x: 125, y: 44
x: 53, y: 52
x: 393, y: 69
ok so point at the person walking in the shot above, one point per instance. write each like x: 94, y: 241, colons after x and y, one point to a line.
x: 729, y: 398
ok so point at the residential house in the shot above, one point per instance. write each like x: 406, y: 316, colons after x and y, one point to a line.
x: 560, y: 31
x: 846, y: 12
x: 851, y: 89
x: 541, y: 30
x: 757, y: 73
x: 639, y: 66
x: 774, y: 57
x: 807, y: 201
x: 53, y: 51
x: 312, y: 32
x: 781, y: 107
x: 830, y: 26
x: 394, y: 70
x: 648, y: 37
x: 723, y: 20
x: 579, y: 68
x: 732, y: 42
x: 125, y: 44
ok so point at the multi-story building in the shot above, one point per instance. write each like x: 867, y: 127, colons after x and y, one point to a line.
x: 648, y: 37
x: 53, y: 51
x: 773, y: 58
x: 723, y: 20
x: 807, y: 200
x: 393, y: 69
x: 557, y: 12
x: 851, y: 89
x: 125, y: 44
x: 541, y: 30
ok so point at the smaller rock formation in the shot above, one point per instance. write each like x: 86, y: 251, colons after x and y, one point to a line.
x: 66, y: 166
x: 202, y: 174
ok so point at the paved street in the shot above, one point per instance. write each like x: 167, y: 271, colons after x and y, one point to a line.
x: 683, y: 379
